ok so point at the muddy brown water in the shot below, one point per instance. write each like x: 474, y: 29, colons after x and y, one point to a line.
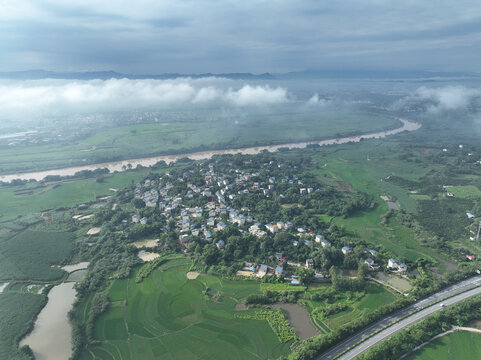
x: 50, y: 338
x: 299, y: 319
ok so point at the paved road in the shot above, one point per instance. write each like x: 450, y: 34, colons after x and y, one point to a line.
x: 459, y: 288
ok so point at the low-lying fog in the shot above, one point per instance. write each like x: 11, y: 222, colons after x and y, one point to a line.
x: 30, y: 104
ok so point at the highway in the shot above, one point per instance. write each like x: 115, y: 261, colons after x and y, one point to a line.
x: 460, y: 288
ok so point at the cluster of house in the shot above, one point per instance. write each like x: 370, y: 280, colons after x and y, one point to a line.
x: 215, y: 213
x: 218, y: 210
x: 221, y: 188
x: 136, y: 219
x: 393, y: 264
x: 151, y: 196
x: 262, y: 270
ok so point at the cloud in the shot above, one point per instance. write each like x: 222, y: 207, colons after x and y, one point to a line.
x: 315, y: 100
x: 121, y: 94
x: 207, y: 94
x: 441, y: 99
x: 448, y: 98
x: 234, y: 36
x: 258, y: 95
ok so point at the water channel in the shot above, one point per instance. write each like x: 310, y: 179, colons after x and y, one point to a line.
x: 150, y: 161
x: 51, y: 336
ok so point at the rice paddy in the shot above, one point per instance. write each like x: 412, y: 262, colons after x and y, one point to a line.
x: 168, y: 316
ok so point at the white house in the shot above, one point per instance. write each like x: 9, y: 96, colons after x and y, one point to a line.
x: 371, y: 264
x: 372, y: 252
x: 263, y: 270
x: 392, y: 263
x: 346, y: 249
x: 402, y: 267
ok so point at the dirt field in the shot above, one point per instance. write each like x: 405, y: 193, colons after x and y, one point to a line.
x: 245, y: 273
x: 94, y: 231
x: 191, y: 275
x: 147, y: 256
x: 396, y: 282
x: 145, y: 243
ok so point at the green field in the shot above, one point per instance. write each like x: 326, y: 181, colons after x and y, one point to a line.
x: 365, y: 167
x: 282, y: 287
x: 30, y: 254
x: 460, y: 345
x: 34, y: 197
x: 168, y: 316
x: 375, y: 297
x: 187, y: 135
x: 465, y: 192
x: 16, y: 317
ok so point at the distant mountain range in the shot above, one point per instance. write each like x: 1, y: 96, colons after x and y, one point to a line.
x: 308, y: 74
x: 103, y: 75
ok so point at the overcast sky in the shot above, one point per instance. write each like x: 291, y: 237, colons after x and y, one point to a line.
x: 195, y: 36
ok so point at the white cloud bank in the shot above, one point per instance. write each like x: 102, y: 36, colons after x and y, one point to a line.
x: 43, y: 96
x: 447, y: 98
x: 315, y: 100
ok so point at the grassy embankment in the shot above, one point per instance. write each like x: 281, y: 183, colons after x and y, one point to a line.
x: 16, y: 318
x: 459, y: 345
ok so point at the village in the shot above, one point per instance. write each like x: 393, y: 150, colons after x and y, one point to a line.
x: 200, y: 204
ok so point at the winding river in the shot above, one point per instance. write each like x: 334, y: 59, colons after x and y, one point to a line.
x: 407, y: 125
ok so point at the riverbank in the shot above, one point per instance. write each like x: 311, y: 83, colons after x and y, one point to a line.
x: 150, y: 161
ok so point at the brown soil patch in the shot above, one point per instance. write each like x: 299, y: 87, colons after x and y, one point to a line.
x: 475, y: 324
x: 244, y: 273
x: 240, y: 306
x: 343, y: 186
x: 191, y: 275
x: 147, y: 256
x: 94, y: 231
x: 288, y: 206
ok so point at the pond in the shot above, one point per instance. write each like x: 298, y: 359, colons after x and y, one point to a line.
x: 75, y: 267
x: 50, y: 338
x: 299, y: 319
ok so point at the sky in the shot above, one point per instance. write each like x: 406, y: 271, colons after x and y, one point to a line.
x: 218, y: 36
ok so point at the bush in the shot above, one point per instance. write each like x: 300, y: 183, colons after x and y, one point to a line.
x: 277, y: 321
x: 260, y: 299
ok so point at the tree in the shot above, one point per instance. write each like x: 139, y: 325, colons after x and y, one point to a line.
x: 138, y: 203
x: 306, y: 276
x: 210, y: 254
